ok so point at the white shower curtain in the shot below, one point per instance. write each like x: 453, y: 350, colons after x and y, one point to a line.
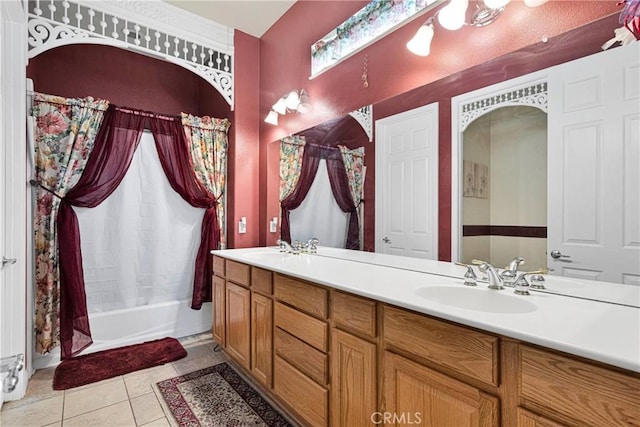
x: 139, y: 246
x: 319, y: 214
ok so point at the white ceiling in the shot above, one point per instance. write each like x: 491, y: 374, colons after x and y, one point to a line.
x: 253, y: 17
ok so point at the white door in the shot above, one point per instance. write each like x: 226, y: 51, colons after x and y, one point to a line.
x: 594, y: 158
x: 407, y: 183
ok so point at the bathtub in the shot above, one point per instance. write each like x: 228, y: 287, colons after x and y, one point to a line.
x: 136, y: 325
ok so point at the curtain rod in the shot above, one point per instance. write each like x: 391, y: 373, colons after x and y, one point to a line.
x: 322, y: 146
x: 147, y: 114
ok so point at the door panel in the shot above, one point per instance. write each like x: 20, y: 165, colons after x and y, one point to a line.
x: 407, y: 184
x: 593, y: 178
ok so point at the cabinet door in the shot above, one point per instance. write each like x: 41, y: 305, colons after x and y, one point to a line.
x: 415, y: 394
x: 353, y: 380
x: 261, y: 338
x: 529, y: 419
x: 219, y: 302
x: 238, y: 325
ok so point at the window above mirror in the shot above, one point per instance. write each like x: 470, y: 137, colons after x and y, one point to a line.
x: 372, y: 22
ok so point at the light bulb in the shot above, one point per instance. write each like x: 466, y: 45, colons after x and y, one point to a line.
x: 453, y: 15
x: 496, y: 4
x: 272, y: 118
x: 280, y: 107
x: 535, y: 3
x: 420, y: 44
x: 292, y: 100
x: 305, y: 105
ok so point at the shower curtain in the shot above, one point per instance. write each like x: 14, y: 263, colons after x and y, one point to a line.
x: 88, y: 166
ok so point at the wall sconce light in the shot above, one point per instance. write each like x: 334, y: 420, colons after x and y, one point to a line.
x: 292, y: 102
x: 420, y: 44
x: 453, y: 16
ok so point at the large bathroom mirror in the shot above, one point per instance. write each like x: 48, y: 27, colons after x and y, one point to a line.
x: 543, y: 166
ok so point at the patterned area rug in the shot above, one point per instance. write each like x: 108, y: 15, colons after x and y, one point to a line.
x: 216, y: 396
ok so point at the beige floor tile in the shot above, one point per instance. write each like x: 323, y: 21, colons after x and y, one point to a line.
x: 185, y: 366
x: 119, y: 414
x: 139, y: 383
x: 39, y: 413
x: 99, y: 383
x: 78, y: 402
x: 58, y: 424
x: 162, y: 422
x: 146, y: 408
x: 190, y: 340
x: 40, y: 388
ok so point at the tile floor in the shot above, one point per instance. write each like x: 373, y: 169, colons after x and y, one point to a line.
x: 127, y: 400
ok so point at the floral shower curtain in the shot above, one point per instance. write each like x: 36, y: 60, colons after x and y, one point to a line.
x: 207, y: 142
x: 291, y: 151
x: 64, y: 137
x: 354, y: 167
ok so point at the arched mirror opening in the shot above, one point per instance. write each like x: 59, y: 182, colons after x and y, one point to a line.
x: 504, y: 186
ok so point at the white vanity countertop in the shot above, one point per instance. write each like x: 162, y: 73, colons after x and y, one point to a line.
x: 604, y: 332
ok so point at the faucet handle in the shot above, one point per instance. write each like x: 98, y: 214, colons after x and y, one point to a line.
x: 470, y: 276
x: 521, y: 285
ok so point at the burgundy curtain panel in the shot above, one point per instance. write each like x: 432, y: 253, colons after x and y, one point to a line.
x: 108, y: 163
x: 171, y: 144
x: 113, y: 150
x: 339, y: 187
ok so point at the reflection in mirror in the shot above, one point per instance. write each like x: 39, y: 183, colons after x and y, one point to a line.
x: 504, y: 189
x: 322, y: 183
x: 319, y: 215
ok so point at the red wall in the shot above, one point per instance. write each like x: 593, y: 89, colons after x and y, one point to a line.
x: 124, y: 78
x: 399, y: 80
x: 244, y: 143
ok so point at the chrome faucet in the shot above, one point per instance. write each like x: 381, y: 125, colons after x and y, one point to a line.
x: 470, y: 276
x: 510, y: 272
x: 284, y: 246
x: 312, y: 245
x: 495, y: 281
x: 521, y: 285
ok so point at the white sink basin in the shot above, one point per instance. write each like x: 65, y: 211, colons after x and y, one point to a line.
x: 475, y: 299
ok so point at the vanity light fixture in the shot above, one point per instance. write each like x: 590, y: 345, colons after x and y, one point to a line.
x: 296, y: 101
x: 453, y: 17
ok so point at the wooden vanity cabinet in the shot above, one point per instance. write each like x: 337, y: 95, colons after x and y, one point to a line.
x: 301, y: 343
x: 576, y: 392
x: 261, y: 326
x: 354, y: 367
x: 238, y: 315
x: 443, y: 393
x: 333, y: 358
x: 219, y: 301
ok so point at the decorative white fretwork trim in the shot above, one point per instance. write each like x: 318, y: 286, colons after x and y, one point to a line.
x: 364, y: 116
x: 150, y: 27
x: 534, y: 95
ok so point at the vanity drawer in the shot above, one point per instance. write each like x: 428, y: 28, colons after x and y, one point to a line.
x: 302, y: 326
x: 354, y: 313
x: 460, y: 349
x: 261, y: 281
x: 218, y: 266
x: 238, y: 273
x: 584, y: 392
x: 309, y: 298
x: 309, y: 400
x: 301, y: 355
